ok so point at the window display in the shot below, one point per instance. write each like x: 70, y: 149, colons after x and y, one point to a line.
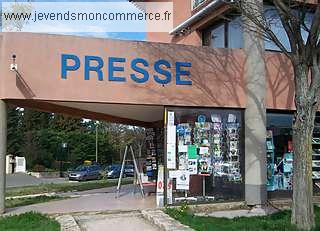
x: 279, y: 154
x: 208, y: 146
x: 151, y: 159
x: 280, y: 158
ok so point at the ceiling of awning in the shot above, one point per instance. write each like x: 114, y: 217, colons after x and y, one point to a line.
x: 135, y: 112
x: 137, y: 115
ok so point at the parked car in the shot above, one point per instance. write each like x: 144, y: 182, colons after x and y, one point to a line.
x: 85, y: 172
x: 129, y: 170
x: 113, y: 171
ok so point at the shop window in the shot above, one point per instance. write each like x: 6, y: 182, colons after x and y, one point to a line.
x: 279, y: 153
x: 205, y: 157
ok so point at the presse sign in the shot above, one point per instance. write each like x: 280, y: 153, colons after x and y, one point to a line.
x: 113, y: 68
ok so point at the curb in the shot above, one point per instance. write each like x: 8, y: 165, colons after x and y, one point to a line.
x: 164, y: 221
x: 67, y: 223
x: 32, y: 195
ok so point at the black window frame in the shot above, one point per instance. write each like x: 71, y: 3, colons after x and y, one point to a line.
x: 206, y: 33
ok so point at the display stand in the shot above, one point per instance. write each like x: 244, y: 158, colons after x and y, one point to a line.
x: 128, y: 146
x: 316, y: 154
x: 270, y: 162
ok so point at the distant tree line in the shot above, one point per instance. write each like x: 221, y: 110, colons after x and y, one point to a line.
x: 39, y: 137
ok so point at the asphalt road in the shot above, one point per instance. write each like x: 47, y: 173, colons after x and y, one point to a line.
x: 20, y: 179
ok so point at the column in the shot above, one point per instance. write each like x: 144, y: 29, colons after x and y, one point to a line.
x: 3, y: 152
x: 255, y: 113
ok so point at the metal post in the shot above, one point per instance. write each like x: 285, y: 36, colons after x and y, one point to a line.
x: 96, y: 142
x: 204, y: 186
x: 121, y: 172
x: 3, y: 152
x: 137, y: 171
x: 165, y: 180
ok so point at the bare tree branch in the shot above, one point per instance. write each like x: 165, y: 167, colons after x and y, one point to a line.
x: 262, y: 23
x: 291, y: 25
x: 313, y: 41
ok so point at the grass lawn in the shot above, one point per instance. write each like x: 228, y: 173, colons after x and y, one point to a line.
x: 278, y: 221
x: 28, y: 222
x: 63, y: 187
x: 16, y: 202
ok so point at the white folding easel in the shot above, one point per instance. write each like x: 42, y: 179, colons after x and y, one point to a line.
x: 128, y: 146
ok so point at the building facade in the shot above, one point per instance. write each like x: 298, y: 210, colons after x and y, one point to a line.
x: 204, y: 89
x: 262, y: 159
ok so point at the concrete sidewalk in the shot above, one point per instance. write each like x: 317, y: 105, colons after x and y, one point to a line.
x: 93, y: 200
x: 131, y: 221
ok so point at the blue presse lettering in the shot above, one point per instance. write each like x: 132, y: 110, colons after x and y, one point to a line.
x: 135, y: 67
x: 112, y: 68
x: 97, y: 68
x: 180, y: 72
x: 64, y: 64
x: 166, y: 73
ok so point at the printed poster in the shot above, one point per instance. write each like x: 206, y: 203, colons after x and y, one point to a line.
x: 183, y: 180
x: 183, y: 161
x: 203, y: 150
x: 183, y: 148
x: 193, y: 166
x: 192, y: 152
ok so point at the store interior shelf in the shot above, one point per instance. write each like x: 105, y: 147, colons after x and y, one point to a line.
x: 315, y: 174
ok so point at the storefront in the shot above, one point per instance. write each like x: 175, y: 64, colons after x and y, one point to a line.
x: 205, y: 154
x: 192, y: 101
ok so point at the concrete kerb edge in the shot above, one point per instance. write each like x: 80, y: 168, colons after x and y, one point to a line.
x: 91, y: 213
x: 67, y: 223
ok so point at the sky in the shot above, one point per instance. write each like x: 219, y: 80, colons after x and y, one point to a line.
x: 113, y: 35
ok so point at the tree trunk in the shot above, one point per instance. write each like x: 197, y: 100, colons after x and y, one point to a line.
x: 302, y: 206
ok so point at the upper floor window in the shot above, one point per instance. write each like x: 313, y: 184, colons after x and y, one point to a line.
x: 225, y: 34
x: 228, y: 33
x: 273, y: 18
x: 196, y: 3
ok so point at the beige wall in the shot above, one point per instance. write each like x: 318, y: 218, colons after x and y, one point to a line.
x: 217, y: 74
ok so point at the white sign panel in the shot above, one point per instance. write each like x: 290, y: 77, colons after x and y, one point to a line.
x: 183, y: 180
x: 160, y: 185
x: 171, y: 135
x: 170, y: 118
x: 20, y: 164
x: 171, y: 156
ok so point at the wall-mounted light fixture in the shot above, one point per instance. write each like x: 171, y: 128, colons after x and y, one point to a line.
x: 14, y: 65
